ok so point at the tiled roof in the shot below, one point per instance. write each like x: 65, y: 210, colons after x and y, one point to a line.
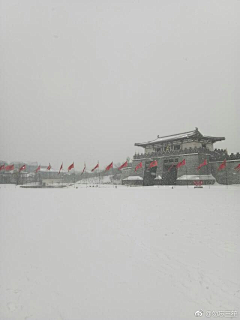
x: 180, y: 136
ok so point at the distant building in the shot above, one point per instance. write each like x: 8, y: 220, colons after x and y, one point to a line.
x: 168, y: 151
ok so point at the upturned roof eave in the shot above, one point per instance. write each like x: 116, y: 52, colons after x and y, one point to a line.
x: 214, y: 139
x: 158, y: 140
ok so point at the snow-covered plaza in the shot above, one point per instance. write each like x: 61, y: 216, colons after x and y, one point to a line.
x: 118, y: 253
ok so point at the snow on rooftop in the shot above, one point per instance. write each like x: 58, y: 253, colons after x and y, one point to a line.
x: 158, y: 178
x: 196, y: 177
x: 95, y: 179
x: 171, y: 137
x: 51, y: 170
x: 178, y: 136
x: 132, y: 178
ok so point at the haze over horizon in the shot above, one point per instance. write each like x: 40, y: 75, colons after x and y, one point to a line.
x: 83, y: 81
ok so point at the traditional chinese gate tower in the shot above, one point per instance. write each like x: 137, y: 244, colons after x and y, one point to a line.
x: 192, y: 146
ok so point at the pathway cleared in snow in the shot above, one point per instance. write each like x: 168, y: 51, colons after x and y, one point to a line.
x: 118, y: 253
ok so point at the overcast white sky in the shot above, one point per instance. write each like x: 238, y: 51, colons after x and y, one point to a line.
x: 85, y: 80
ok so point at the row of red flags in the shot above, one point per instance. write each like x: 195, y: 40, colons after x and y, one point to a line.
x: 11, y: 167
x: 125, y: 164
x: 183, y: 162
x: 155, y: 164
x: 110, y: 166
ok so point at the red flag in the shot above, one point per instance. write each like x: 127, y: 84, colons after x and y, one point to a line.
x: 125, y: 164
x: 71, y: 166
x: 22, y: 168
x: 110, y: 166
x: 2, y: 167
x: 222, y: 165
x: 202, y: 164
x: 97, y: 166
x: 236, y: 168
x: 170, y: 168
x: 60, y: 168
x: 49, y: 167
x: 138, y: 166
x: 38, y: 168
x: 153, y: 164
x: 10, y: 167
x: 180, y: 164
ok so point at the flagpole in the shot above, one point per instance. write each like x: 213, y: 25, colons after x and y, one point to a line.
x: 99, y: 173
x: 199, y: 168
x: 143, y: 167
x: 226, y: 174
x: 112, y: 175
x: 208, y: 176
x: 186, y: 175
x: 38, y: 176
x: 74, y: 177
x: 85, y: 169
x: 83, y: 177
x: 61, y: 176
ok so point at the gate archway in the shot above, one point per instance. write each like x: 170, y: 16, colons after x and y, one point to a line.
x: 170, y: 171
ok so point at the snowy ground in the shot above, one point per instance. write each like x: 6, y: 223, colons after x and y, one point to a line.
x: 118, y: 253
